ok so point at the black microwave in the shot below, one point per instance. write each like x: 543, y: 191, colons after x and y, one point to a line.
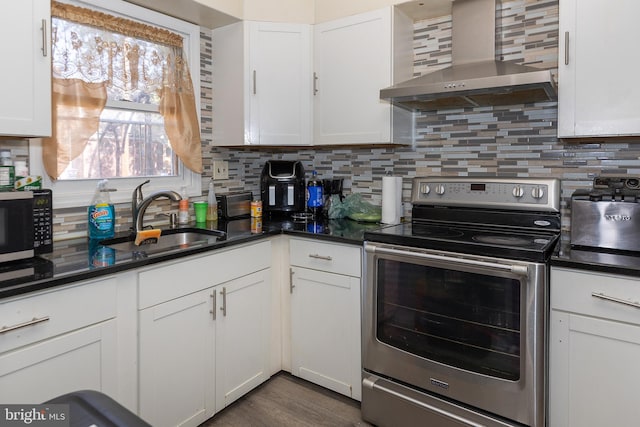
x: 26, y: 224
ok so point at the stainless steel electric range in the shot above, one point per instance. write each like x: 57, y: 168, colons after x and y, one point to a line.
x: 455, y: 305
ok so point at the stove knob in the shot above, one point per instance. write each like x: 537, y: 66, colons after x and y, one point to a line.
x: 425, y: 189
x: 440, y: 189
x: 518, y: 192
x: 537, y: 192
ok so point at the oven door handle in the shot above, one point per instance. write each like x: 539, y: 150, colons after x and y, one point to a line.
x: 521, y: 270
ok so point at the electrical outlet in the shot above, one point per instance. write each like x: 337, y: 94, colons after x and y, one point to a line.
x: 220, y: 169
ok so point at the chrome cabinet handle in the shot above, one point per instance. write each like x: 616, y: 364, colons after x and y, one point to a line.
x: 614, y: 299
x: 254, y: 82
x: 315, y: 83
x: 317, y: 256
x: 44, y: 37
x: 213, y: 310
x: 223, y: 292
x: 291, y: 285
x: 566, y: 48
x: 31, y: 322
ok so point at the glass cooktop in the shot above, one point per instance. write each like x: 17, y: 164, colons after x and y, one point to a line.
x: 498, y: 242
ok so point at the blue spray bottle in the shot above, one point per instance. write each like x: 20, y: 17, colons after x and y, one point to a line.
x: 101, y: 216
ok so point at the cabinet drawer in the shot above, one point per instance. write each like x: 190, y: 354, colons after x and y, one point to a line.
x: 29, y: 319
x: 163, y: 283
x: 330, y: 257
x: 573, y: 291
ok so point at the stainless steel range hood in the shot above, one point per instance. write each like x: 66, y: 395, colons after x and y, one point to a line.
x: 475, y: 78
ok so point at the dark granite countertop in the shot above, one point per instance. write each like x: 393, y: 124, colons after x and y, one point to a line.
x: 610, y: 262
x: 76, y: 259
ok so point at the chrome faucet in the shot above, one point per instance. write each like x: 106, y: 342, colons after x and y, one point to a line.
x: 139, y: 204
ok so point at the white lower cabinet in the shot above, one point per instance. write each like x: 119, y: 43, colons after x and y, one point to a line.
x: 80, y: 360
x: 594, y: 348
x: 59, y: 341
x: 204, y: 328
x: 325, y: 315
x: 242, y: 336
x: 176, y: 353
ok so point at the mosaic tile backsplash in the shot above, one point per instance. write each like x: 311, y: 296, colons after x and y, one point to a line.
x: 518, y: 140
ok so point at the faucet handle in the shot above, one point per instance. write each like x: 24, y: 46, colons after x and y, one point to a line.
x: 137, y: 193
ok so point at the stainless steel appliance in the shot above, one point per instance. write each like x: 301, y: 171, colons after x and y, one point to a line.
x: 26, y: 225
x: 234, y: 205
x: 282, y: 187
x: 475, y: 77
x: 607, y: 216
x: 455, y: 305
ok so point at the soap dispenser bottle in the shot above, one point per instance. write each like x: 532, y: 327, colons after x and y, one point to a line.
x: 101, y: 214
x: 183, y: 207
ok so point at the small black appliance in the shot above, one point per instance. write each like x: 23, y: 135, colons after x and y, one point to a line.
x: 282, y: 187
x: 332, y: 187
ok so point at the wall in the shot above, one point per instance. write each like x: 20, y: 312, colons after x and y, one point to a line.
x: 326, y: 10
x: 517, y: 140
x: 298, y: 11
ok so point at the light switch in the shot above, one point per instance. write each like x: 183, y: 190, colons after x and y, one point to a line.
x: 220, y: 169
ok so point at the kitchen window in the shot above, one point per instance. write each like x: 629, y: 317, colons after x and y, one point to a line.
x: 135, y: 56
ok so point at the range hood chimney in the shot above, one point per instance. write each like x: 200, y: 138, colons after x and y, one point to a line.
x: 475, y: 77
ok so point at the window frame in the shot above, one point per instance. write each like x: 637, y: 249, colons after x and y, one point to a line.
x: 78, y: 193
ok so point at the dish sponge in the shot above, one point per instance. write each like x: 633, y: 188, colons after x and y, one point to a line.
x: 147, y: 236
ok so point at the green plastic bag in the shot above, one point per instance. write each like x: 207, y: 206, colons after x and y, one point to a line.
x: 356, y: 208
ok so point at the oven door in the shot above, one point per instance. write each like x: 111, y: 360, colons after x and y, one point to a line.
x: 465, y: 329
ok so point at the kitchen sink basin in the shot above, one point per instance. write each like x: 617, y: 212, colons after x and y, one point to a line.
x: 169, y: 241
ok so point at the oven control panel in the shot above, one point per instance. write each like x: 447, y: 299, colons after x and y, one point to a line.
x: 502, y: 193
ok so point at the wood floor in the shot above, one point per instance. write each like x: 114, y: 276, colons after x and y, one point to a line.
x: 287, y: 401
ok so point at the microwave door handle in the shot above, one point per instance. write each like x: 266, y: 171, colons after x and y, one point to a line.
x: 521, y: 270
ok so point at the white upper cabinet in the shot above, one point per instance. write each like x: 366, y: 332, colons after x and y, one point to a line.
x: 597, y: 68
x: 262, y: 84
x: 265, y: 91
x: 25, y: 108
x: 353, y: 60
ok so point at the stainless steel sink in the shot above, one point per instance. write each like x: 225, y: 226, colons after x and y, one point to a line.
x: 169, y: 241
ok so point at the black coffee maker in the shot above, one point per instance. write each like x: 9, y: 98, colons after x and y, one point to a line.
x: 332, y: 187
x: 282, y: 187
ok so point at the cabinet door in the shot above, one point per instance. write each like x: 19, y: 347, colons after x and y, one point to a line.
x: 352, y: 63
x: 177, y: 362
x: 25, y: 109
x: 596, y: 93
x: 262, y: 82
x: 593, y: 372
x: 243, y: 329
x: 82, y: 359
x: 325, y: 329
x: 280, y: 83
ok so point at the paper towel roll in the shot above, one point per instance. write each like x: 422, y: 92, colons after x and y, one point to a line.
x: 391, y: 199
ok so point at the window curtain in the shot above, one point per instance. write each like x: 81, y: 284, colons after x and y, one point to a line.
x: 123, y: 60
